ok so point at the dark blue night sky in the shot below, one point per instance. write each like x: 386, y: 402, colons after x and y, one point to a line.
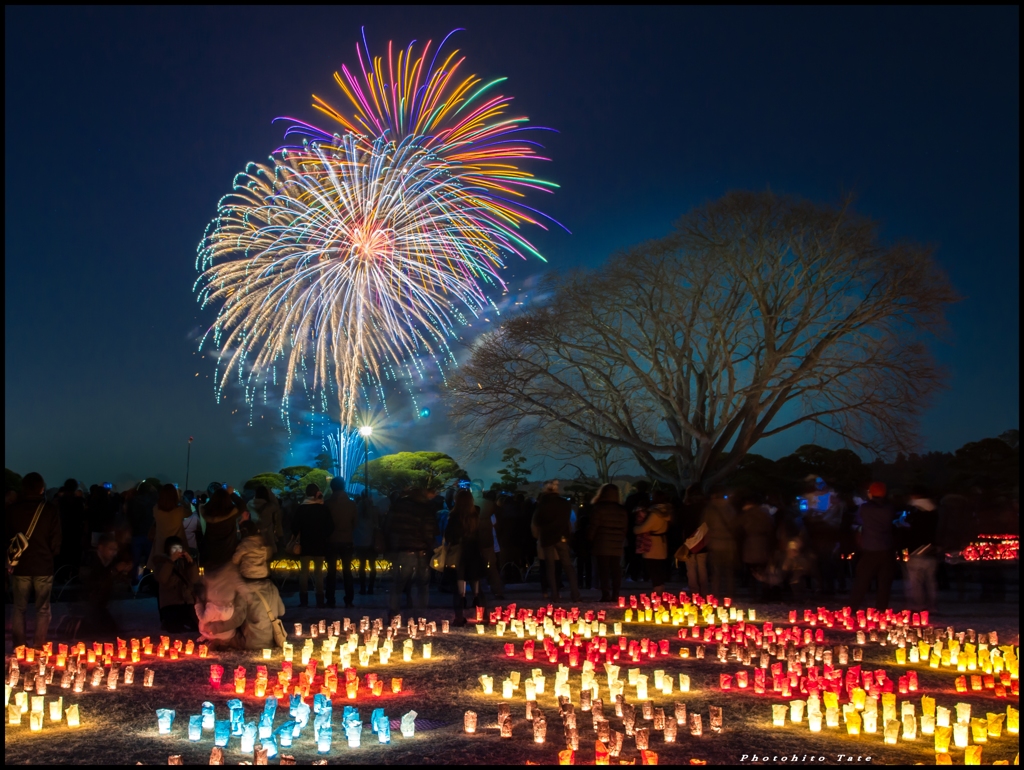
x: 125, y: 126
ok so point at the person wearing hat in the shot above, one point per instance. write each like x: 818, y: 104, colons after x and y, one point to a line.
x: 877, y: 555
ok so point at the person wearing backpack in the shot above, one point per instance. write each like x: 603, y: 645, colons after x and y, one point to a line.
x: 36, y: 522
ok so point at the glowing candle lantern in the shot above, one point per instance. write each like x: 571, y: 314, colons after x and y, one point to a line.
x: 796, y: 710
x: 909, y: 727
x: 832, y: 717
x: 407, y: 650
x: 204, y: 651
x: 943, y: 759
x: 267, y: 652
x: 995, y: 724
x: 56, y: 709
x: 853, y: 722
x: 942, y: 716
x: 779, y: 714
x: 164, y: 720
x: 870, y: 723
x: 147, y: 678
x: 427, y: 648
x: 891, y: 732
x: 488, y: 684
x: 540, y: 730
x: 195, y: 727
x: 408, y: 725
x: 979, y: 730
x: 696, y: 725
x: 927, y: 705
x: 927, y: 724
x: 396, y: 684
x: 972, y: 755
x: 961, y: 684
x: 963, y: 713
x: 960, y: 735
x: 942, y: 736
x: 725, y: 681
x: 1012, y: 720
x: 901, y: 656
x: 480, y: 628
x: 13, y: 714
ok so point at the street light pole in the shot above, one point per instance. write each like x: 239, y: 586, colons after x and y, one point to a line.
x: 188, y: 462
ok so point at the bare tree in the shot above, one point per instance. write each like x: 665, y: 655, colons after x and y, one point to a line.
x: 562, y: 442
x: 758, y: 314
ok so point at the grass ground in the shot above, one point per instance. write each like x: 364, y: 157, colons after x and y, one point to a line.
x: 120, y: 727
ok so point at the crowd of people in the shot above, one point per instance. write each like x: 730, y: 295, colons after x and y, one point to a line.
x: 209, y: 553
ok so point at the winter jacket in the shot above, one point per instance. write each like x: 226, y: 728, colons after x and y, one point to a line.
x: 552, y: 521
x: 365, y: 525
x: 758, y: 534
x: 268, y: 515
x: 73, y: 526
x: 924, y: 523
x: 721, y: 520
x: 343, y: 514
x: 607, y: 527
x: 168, y: 524
x: 44, y: 545
x: 656, y: 525
x: 140, y: 513
x: 411, y: 526
x: 313, y: 525
x: 176, y: 577
x: 251, y: 555
x: 192, y: 530
x: 220, y: 538
x: 875, y: 518
x: 257, y: 629
x: 222, y: 606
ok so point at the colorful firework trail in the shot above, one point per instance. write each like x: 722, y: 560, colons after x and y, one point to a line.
x: 349, y: 257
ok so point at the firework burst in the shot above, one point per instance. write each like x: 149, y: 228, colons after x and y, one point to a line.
x: 349, y: 255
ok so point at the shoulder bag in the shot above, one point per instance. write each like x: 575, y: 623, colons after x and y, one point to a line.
x: 280, y: 635
x: 19, y: 543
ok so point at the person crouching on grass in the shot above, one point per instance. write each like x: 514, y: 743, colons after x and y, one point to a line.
x: 237, y: 604
x: 176, y: 573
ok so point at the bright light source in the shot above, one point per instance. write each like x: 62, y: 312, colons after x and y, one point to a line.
x: 365, y: 431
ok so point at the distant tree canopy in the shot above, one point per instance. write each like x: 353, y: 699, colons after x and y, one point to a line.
x: 758, y: 314
x: 324, y: 461
x: 990, y: 466
x: 291, y: 482
x: 316, y: 476
x: 396, y: 472
x: 514, y: 473
x: 840, y: 468
x: 272, y: 481
x: 293, y: 473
